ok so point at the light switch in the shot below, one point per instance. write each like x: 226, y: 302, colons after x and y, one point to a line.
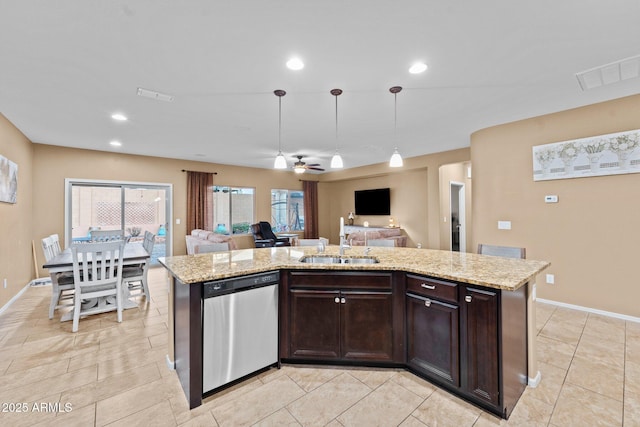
x: 177, y: 221
x: 551, y: 279
x: 504, y: 225
x: 551, y: 198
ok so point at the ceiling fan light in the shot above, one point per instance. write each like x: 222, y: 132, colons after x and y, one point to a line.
x: 336, y: 161
x: 298, y: 169
x: 281, y: 162
x: 396, y: 159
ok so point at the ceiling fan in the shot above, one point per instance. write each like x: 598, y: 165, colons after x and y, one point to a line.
x: 301, y: 167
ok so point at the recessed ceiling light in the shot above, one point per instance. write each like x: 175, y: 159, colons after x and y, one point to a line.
x: 295, y: 64
x: 418, y: 67
x: 115, y: 143
x: 119, y: 117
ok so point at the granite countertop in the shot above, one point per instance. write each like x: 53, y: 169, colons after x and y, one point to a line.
x: 494, y: 272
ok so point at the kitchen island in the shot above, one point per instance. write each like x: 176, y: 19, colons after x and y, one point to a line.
x: 462, y: 321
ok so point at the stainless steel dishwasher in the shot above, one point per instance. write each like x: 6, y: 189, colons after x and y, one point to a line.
x: 239, y: 328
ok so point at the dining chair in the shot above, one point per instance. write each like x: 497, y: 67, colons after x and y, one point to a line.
x: 135, y: 276
x: 62, y: 287
x: 106, y: 235
x: 381, y: 242
x: 503, y: 251
x: 211, y: 247
x: 97, y: 273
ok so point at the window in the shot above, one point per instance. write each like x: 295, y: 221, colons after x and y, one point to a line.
x: 233, y: 209
x: 287, y: 210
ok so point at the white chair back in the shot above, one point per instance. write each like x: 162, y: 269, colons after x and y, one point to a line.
x: 312, y: 242
x: 97, y: 273
x: 381, y: 242
x: 503, y: 251
x: 107, y: 235
x: 211, y: 247
x: 50, y: 246
x: 149, y: 241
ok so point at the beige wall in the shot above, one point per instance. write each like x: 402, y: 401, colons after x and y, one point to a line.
x: 52, y: 164
x: 16, y: 261
x: 415, y: 203
x: 591, y: 237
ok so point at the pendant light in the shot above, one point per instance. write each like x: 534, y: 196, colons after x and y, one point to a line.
x: 281, y: 162
x: 396, y: 158
x: 336, y: 160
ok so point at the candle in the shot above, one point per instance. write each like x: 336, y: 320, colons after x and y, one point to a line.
x: 342, y: 226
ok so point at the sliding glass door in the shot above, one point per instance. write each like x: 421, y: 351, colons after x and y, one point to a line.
x: 108, y: 205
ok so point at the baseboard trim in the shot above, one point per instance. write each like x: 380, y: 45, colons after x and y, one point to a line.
x: 15, y: 298
x: 590, y: 310
x: 170, y: 364
x: 533, y: 382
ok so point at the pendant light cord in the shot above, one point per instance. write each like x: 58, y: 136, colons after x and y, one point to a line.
x: 336, y: 123
x: 279, y: 124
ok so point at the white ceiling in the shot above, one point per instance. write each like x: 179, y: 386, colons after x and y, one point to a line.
x: 67, y: 65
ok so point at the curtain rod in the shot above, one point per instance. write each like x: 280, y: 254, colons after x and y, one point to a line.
x: 185, y: 170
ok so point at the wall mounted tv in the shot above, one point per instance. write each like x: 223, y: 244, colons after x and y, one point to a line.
x: 373, y: 202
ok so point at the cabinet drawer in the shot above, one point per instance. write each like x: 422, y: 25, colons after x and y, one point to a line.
x: 433, y: 288
x: 340, y: 280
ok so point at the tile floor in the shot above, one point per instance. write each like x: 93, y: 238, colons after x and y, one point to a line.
x: 115, y: 374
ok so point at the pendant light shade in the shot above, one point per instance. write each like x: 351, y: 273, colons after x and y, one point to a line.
x: 336, y: 160
x: 396, y: 158
x: 280, y: 162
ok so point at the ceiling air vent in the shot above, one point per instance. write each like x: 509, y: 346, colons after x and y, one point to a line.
x: 614, y: 72
x: 155, y: 95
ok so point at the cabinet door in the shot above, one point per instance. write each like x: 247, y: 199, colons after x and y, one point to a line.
x: 432, y: 338
x: 367, y: 326
x: 481, y: 330
x: 314, y: 324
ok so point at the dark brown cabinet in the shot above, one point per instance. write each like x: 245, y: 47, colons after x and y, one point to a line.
x: 340, y: 316
x: 432, y: 339
x: 471, y: 340
x: 481, y: 345
x: 468, y: 339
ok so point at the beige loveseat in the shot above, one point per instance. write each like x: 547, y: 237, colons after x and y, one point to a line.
x: 199, y: 238
x: 358, y: 238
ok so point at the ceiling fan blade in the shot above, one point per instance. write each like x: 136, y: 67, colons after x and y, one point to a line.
x: 313, y: 164
x: 315, y: 169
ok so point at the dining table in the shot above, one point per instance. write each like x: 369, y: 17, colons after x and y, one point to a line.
x: 134, y: 254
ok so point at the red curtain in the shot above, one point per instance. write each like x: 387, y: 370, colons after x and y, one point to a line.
x: 199, y: 201
x: 310, y: 209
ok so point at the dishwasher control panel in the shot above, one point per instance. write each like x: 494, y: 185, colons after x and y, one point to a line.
x: 237, y: 284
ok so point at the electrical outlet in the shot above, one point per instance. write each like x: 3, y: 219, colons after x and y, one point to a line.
x: 4, y: 283
x: 551, y: 279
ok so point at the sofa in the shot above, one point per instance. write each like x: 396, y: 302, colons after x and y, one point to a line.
x: 199, y: 238
x: 358, y: 238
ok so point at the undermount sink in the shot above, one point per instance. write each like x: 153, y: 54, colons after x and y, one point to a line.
x: 319, y: 259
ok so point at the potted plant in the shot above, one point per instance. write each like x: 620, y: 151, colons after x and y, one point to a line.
x: 623, y: 146
x: 568, y: 154
x: 594, y: 150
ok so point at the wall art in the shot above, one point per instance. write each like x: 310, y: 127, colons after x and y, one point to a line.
x: 610, y: 154
x: 8, y: 180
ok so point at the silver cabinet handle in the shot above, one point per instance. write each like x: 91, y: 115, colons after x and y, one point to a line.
x: 337, y: 300
x: 343, y: 300
x: 431, y: 287
x: 427, y: 303
x: 468, y: 298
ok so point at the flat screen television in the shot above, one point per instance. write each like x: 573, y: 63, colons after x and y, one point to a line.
x: 373, y: 202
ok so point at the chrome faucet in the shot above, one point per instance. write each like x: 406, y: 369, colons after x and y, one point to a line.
x: 343, y: 244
